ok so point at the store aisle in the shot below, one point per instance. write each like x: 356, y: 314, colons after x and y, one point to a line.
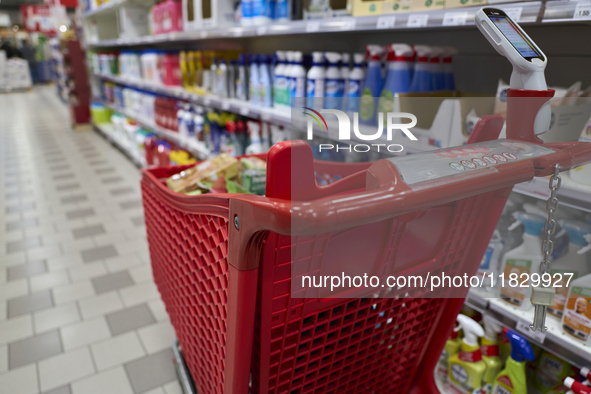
x: 79, y: 312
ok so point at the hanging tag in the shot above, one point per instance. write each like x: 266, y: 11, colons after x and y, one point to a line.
x: 523, y: 327
x: 348, y: 24
x: 312, y: 27
x: 454, y: 19
x: 386, y: 22
x: 417, y: 20
x: 582, y: 11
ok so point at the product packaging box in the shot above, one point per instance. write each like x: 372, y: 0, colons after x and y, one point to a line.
x: 320, y: 9
x: 413, y: 5
x: 367, y: 7
x: 464, y: 3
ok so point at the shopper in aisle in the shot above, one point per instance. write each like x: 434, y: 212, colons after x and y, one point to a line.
x: 11, y: 50
x: 29, y: 53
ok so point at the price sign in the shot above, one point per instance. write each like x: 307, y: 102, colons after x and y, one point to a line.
x: 582, y: 11
x: 206, y: 101
x: 225, y: 105
x: 454, y: 19
x: 265, y: 116
x: 523, y: 327
x: 312, y: 27
x: 348, y: 24
x: 244, y: 111
x: 514, y: 13
x: 386, y: 22
x: 261, y: 30
x: 417, y: 20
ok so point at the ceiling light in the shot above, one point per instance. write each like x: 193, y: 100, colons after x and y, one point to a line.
x: 63, y: 28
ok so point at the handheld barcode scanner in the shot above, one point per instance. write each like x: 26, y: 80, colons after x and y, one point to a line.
x: 528, y: 60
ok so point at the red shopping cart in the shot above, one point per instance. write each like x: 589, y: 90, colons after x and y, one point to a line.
x: 223, y: 262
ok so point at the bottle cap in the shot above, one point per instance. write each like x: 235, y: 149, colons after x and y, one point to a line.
x: 576, y: 231
x: 585, y: 372
x: 491, y: 329
x: 280, y: 55
x: 333, y: 58
x: 472, y: 330
x: 400, y: 52
x: 532, y: 223
x: 375, y: 52
x: 521, y: 350
x: 358, y: 58
x: 448, y: 52
x: 423, y: 53
x: 231, y: 127
x: 318, y: 58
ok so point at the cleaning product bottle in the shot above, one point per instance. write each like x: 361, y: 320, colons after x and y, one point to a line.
x: 335, y: 84
x: 466, y: 368
x: 265, y: 88
x: 280, y: 92
x: 397, y: 75
x: 422, y: 80
x: 263, y: 12
x: 490, y: 353
x: 582, y: 174
x: 576, y: 320
x: 512, y: 378
x: 577, y: 387
x: 222, y: 79
x: 256, y: 145
x: 550, y: 372
x: 247, y: 12
x: 374, y: 82
x: 436, y: 67
x: 491, y: 261
x: 253, y: 81
x: 265, y: 136
x: 355, y: 83
x: 213, y: 75
x: 452, y: 346
x: 242, y: 79
x: 345, y: 71
x: 316, y: 81
x: 298, y: 77
x: 572, y: 263
x: 282, y: 11
x: 524, y: 259
x: 449, y: 82
x: 207, y: 78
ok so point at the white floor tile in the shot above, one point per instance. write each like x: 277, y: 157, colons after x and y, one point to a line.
x: 49, y: 280
x: 157, y: 390
x: 122, y: 262
x: 60, y: 370
x: 16, y: 328
x: 20, y: 381
x: 112, y: 381
x: 11, y: 259
x: 116, y: 351
x: 44, y: 252
x: 2, y: 275
x: 69, y: 247
x: 63, y: 262
x: 157, y: 337
x: 140, y: 293
x: 84, y: 333
x: 74, y: 292
x: 48, y: 319
x: 173, y: 388
x: 100, y: 305
x: 141, y: 274
x: 2, y: 310
x: 158, y: 310
x: 12, y: 289
x: 87, y: 271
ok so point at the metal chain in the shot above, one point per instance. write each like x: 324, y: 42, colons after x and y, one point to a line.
x: 550, y: 224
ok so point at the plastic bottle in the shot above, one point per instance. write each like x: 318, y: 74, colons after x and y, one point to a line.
x: 280, y: 92
x: 576, y: 387
x: 512, y: 379
x: 298, y: 77
x: 374, y: 83
x: 283, y: 11
x: 571, y: 263
x: 550, y: 372
x: 355, y: 83
x: 422, y: 80
x: 247, y: 12
x: 397, y: 75
x: 265, y: 88
x: 491, y: 353
x: 232, y: 146
x: 335, y: 84
x: 263, y: 12
x: 345, y: 71
x: 467, y: 367
x: 316, y: 81
x: 242, y: 85
x: 491, y: 261
x: 253, y: 81
x: 524, y: 259
x: 256, y: 145
x: 436, y: 66
x: 222, y: 79
x: 576, y: 320
x: 452, y: 346
x: 232, y: 70
x: 265, y: 137
x: 449, y: 82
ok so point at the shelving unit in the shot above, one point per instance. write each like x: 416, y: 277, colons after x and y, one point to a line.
x: 107, y: 131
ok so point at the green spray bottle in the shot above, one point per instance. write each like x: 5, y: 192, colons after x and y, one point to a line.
x: 512, y: 379
x: 490, y: 353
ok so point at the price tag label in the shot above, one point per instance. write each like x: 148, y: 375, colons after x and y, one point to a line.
x: 386, y: 22
x: 454, y: 19
x: 244, y: 111
x: 265, y: 116
x: 203, y: 34
x: 417, y: 20
x: 582, y: 11
x: 523, y: 327
x: 237, y: 32
x: 514, y: 13
x: 348, y: 24
x: 225, y: 105
x: 206, y: 101
x: 312, y: 27
x: 261, y: 30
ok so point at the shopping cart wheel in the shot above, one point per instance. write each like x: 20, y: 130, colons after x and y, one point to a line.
x: 182, y: 372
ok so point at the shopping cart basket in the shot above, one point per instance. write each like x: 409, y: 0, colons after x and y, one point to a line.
x: 222, y: 263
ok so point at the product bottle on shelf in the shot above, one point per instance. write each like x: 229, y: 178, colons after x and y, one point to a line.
x: 253, y: 80
x: 448, y: 72
x: 222, y: 79
x: 466, y: 368
x: 265, y: 88
x: 298, y: 77
x: 213, y: 73
x: 232, y: 70
x: 242, y: 85
x: 491, y: 261
x: 241, y: 135
x: 355, y: 83
x: 398, y: 72
x: 525, y: 259
x: 436, y: 66
x: 263, y: 12
x: 490, y: 353
x: 316, y: 81
x: 280, y: 83
x: 550, y: 372
x: 256, y: 145
x: 247, y: 12
x: 512, y: 378
x: 452, y: 346
x: 345, y: 71
x: 422, y: 79
x: 335, y: 83
x: 283, y: 11
x: 374, y: 83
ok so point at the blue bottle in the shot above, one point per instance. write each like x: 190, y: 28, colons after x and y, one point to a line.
x: 355, y: 84
x: 373, y: 85
x: 447, y: 66
x: 436, y: 65
x: 422, y: 80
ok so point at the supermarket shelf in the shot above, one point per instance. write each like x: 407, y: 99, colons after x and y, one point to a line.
x: 106, y: 130
x: 567, y: 11
x: 553, y: 340
x: 570, y: 193
x: 108, y: 7
x: 271, y: 115
x: 197, y: 148
x: 523, y: 12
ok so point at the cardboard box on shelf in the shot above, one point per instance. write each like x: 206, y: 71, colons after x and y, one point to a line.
x: 367, y: 7
x: 464, y: 3
x: 320, y: 9
x: 414, y: 5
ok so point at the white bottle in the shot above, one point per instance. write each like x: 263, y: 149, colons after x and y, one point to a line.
x: 242, y: 79
x: 265, y: 88
x: 289, y: 65
x: 355, y: 83
x: 316, y: 80
x: 222, y: 79
x: 266, y: 137
x: 298, y: 75
x: 521, y: 262
x: 256, y: 145
x: 280, y: 92
x: 345, y: 64
x: 491, y: 262
x: 335, y: 84
x: 253, y: 81
x: 571, y: 263
x: 213, y: 73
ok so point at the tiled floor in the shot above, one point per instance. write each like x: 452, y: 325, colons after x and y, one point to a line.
x: 79, y: 312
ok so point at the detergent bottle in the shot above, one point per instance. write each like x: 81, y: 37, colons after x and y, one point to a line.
x: 335, y: 83
x: 298, y: 77
x: 467, y: 368
x: 316, y: 81
x: 512, y: 378
x: 452, y: 346
x: 571, y: 266
x: 254, y: 81
x: 577, y: 387
x: 491, y: 262
x: 436, y: 66
x: 355, y: 83
x: 265, y: 87
x: 490, y: 353
x: 397, y: 75
x: 521, y: 262
x: 374, y: 82
x: 576, y: 320
x: 550, y: 372
x: 422, y: 80
x: 449, y: 82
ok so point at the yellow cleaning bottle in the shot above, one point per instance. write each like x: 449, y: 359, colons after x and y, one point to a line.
x: 452, y: 346
x: 490, y: 353
x: 466, y: 368
x: 512, y: 380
